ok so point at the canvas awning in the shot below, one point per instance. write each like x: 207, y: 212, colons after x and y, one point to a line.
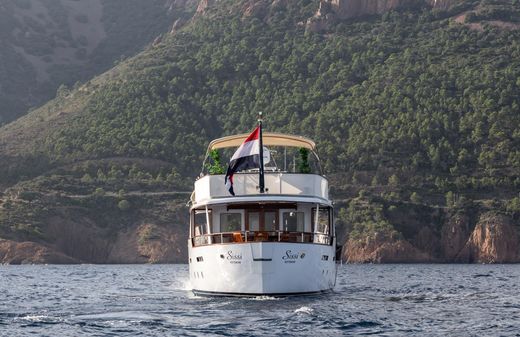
x: 268, y: 138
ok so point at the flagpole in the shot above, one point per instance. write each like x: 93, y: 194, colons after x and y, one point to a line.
x: 261, y: 171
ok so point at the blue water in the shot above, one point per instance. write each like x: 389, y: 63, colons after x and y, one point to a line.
x: 154, y: 300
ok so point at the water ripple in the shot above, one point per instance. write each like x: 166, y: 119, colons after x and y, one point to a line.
x: 388, y: 300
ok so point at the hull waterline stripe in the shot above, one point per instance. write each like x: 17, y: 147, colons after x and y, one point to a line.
x: 231, y: 294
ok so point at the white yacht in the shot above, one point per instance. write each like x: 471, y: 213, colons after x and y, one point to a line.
x: 273, y: 236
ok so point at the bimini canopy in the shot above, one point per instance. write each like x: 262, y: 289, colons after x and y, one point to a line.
x: 268, y: 139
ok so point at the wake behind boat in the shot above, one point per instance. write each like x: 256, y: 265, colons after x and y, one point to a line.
x: 266, y: 230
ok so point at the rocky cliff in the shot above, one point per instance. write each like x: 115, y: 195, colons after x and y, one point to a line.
x: 493, y: 239
x: 12, y: 252
x: 145, y: 243
x: 381, y: 248
x: 69, y: 229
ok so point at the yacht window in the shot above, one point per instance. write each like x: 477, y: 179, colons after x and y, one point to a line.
x: 200, y: 225
x: 323, y: 220
x: 253, y: 220
x: 262, y: 220
x: 230, y: 222
x: 271, y: 221
x: 293, y: 221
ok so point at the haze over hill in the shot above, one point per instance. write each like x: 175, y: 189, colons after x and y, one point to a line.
x: 47, y: 43
x: 414, y: 110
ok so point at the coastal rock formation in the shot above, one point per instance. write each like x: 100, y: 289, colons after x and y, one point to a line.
x: 494, y: 240
x: 454, y: 235
x: 12, y: 252
x: 382, y: 248
x: 78, y: 237
x: 149, y: 243
x: 427, y: 240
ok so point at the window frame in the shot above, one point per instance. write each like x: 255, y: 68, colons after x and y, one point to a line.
x: 313, y: 220
x: 261, y: 220
x: 282, y: 225
x: 208, y: 228
x: 225, y: 213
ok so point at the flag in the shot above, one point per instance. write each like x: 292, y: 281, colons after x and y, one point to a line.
x: 247, y: 156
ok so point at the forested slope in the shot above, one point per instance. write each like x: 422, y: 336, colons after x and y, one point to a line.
x: 48, y: 43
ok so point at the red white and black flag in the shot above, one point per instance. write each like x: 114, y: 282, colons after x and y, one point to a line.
x: 247, y: 156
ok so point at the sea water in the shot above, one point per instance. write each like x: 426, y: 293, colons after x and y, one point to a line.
x: 155, y: 300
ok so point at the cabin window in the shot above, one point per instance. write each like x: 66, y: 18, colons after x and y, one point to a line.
x: 253, y: 221
x: 323, y: 224
x: 270, y: 221
x: 262, y: 220
x: 200, y: 222
x: 230, y: 222
x: 293, y: 221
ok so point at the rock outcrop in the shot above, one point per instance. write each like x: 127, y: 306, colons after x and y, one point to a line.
x: 12, y: 252
x: 256, y: 8
x: 463, y: 237
x: 442, y: 4
x: 329, y: 11
x: 494, y: 240
x: 72, y: 235
x: 382, y: 248
x: 427, y: 242
x: 177, y: 25
x: 454, y: 235
x: 149, y: 243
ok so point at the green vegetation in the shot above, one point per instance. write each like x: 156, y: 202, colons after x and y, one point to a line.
x: 366, y: 219
x: 303, y: 163
x: 215, y: 167
x: 123, y: 205
x: 423, y: 102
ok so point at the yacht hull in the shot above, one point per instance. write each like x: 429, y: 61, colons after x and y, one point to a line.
x: 262, y: 268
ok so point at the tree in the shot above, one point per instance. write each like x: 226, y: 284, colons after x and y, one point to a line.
x: 393, y: 180
x: 415, y: 197
x: 86, y: 179
x: 99, y: 192
x: 123, y: 205
x: 303, y: 162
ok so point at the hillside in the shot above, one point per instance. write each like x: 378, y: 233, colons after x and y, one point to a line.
x: 414, y: 110
x: 48, y: 43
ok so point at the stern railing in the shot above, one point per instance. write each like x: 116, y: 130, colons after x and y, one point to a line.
x: 260, y: 236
